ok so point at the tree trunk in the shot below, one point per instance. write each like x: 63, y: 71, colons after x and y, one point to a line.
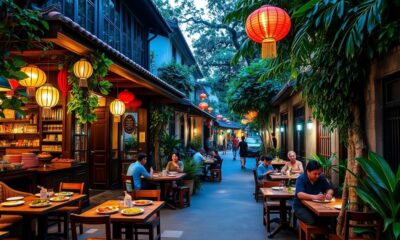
x: 355, y: 149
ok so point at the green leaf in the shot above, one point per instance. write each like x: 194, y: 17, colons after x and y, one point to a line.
x: 396, y: 229
x: 19, y: 62
x: 18, y: 75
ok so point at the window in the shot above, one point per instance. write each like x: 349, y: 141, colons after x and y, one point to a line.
x: 86, y: 13
x: 111, y: 23
x: 298, y: 131
x: 323, y: 141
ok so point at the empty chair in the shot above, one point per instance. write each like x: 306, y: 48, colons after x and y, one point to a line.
x: 96, y: 220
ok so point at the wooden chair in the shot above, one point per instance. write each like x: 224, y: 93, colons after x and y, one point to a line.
x: 310, y: 229
x: 8, y: 222
x: 154, y: 220
x: 97, y: 220
x: 181, y: 196
x: 124, y: 179
x: 271, y: 207
x: 64, y: 213
x: 215, y: 174
x: 256, y: 193
x: 360, y: 220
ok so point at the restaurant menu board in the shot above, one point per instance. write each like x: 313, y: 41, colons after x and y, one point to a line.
x: 129, y: 124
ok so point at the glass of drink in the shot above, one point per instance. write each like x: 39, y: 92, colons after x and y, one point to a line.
x: 50, y: 192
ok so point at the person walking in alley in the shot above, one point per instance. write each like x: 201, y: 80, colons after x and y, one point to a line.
x: 224, y: 146
x: 243, y: 152
x: 235, y: 145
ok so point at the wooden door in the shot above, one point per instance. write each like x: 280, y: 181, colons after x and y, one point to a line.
x: 99, y: 150
x: 298, y: 132
x: 284, y: 137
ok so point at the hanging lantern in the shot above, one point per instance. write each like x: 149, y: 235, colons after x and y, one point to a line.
x: 135, y: 104
x: 117, y: 107
x: 83, y: 70
x: 219, y: 117
x: 126, y: 96
x: 47, y: 96
x: 62, y: 81
x: 210, y: 109
x: 244, y: 121
x: 36, y: 78
x: 203, y: 105
x: 267, y: 25
x: 203, y: 96
x: 224, y: 119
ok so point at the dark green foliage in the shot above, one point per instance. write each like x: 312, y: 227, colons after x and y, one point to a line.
x: 168, y: 145
x: 178, y: 76
x: 192, y: 170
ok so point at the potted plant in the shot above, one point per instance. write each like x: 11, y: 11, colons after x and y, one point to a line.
x: 192, y: 177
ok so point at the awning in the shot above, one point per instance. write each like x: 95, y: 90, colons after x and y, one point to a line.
x: 231, y: 125
x: 188, y: 107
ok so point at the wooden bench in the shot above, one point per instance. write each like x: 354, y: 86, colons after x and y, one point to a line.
x: 311, y: 229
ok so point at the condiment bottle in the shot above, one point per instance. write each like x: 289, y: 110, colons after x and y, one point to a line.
x: 127, y: 200
x: 43, y: 193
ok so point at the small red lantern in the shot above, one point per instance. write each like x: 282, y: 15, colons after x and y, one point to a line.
x: 135, y: 104
x: 224, y: 119
x: 267, y: 25
x: 210, y: 109
x: 219, y: 117
x: 203, y: 105
x: 126, y: 96
x: 203, y: 96
x: 62, y: 81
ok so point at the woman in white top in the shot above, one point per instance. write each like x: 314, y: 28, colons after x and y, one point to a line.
x: 294, y: 165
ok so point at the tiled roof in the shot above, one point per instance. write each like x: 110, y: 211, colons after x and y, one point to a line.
x: 148, y: 76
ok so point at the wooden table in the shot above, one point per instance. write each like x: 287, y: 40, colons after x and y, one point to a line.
x: 282, y: 196
x: 283, y: 177
x: 162, y: 180
x: 4, y: 234
x: 117, y: 218
x: 323, y: 209
x: 28, y: 213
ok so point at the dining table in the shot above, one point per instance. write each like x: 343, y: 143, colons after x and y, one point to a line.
x: 4, y: 234
x: 283, y: 177
x: 29, y: 213
x: 324, y: 209
x: 117, y: 218
x: 282, y: 195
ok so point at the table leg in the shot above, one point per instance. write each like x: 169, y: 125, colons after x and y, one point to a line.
x: 283, y: 221
x: 27, y: 232
x: 116, y: 230
x: 42, y: 227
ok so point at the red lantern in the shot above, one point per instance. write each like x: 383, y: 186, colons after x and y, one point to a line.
x: 203, y: 105
x: 210, y: 109
x: 224, y: 119
x: 62, y: 81
x: 219, y: 117
x: 203, y: 96
x: 126, y: 96
x: 267, y: 25
x: 135, y: 104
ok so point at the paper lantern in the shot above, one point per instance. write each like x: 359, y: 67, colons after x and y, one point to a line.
x: 62, y: 81
x: 126, y: 96
x: 36, y: 78
x: 210, y: 109
x: 83, y: 70
x: 47, y: 96
x: 117, y: 108
x: 251, y: 115
x: 244, y: 121
x: 203, y: 96
x: 135, y: 104
x: 203, y: 105
x: 267, y: 25
x: 224, y: 119
x: 219, y: 117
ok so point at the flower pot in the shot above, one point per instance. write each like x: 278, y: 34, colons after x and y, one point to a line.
x: 190, y: 184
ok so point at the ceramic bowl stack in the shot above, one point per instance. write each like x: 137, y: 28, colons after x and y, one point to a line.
x: 30, y: 160
x: 12, y: 158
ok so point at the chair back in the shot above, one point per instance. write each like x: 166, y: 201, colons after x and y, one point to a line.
x: 363, y: 220
x: 147, y: 194
x: 124, y: 179
x: 73, y: 187
x: 269, y: 184
x: 255, y: 176
x: 95, y: 220
x: 6, y: 192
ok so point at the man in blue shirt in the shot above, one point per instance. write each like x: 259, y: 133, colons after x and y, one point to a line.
x: 265, y: 168
x: 311, y: 185
x: 137, y: 170
x: 198, y: 157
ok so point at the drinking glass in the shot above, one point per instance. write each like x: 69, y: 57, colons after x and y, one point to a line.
x: 50, y: 192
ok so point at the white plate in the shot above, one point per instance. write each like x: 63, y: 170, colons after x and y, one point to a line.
x: 112, y: 209
x: 15, y: 198
x: 173, y: 172
x: 338, y: 207
x: 171, y: 175
x: 12, y: 203
x: 276, y: 173
x: 123, y: 212
x: 64, y: 194
x: 277, y: 188
x: 55, y: 199
x: 37, y: 194
x: 142, y: 202
x: 323, y: 201
x: 39, y: 205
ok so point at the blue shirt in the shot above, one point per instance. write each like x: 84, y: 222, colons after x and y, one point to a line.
x: 304, y: 185
x: 137, y: 170
x: 197, y: 157
x: 261, y: 169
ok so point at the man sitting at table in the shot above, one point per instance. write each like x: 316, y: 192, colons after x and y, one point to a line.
x: 198, y: 157
x: 311, y: 186
x: 294, y: 165
x: 137, y: 170
x: 264, y: 168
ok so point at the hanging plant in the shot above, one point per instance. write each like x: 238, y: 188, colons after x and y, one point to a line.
x: 82, y: 102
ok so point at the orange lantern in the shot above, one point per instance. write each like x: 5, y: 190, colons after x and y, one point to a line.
x: 203, y: 105
x: 267, y: 25
x: 203, y: 96
x: 252, y: 114
x: 210, y: 109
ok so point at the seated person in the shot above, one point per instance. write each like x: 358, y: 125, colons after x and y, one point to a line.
x: 218, y: 160
x: 294, y: 165
x: 137, y: 170
x: 264, y: 168
x: 198, y: 157
x: 311, y: 186
x: 175, y: 165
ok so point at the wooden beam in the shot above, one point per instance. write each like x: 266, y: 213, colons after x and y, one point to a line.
x: 39, y: 53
